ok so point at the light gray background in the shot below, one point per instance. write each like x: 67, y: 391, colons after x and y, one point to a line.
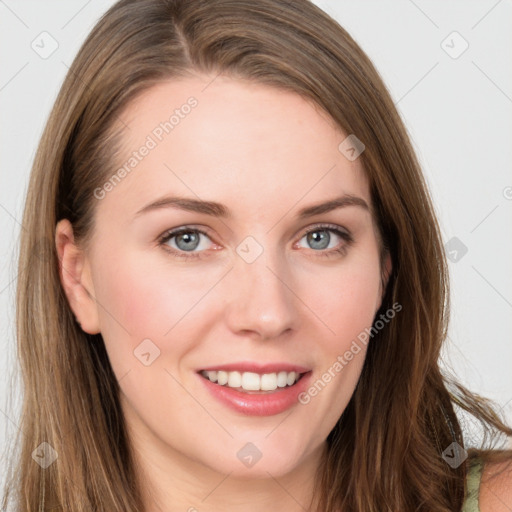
x: 457, y: 110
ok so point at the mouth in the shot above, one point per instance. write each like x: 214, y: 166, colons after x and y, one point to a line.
x: 253, y: 382
x: 256, y: 389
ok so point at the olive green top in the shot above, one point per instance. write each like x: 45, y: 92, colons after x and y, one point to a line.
x: 473, y: 486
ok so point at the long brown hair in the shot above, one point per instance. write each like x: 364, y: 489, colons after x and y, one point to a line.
x: 385, y: 452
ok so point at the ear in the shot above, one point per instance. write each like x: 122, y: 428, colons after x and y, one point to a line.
x: 75, y: 276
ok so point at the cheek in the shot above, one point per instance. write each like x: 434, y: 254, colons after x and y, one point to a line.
x: 143, y: 298
x: 140, y: 298
x: 347, y: 298
x: 346, y: 308
x: 135, y: 303
x: 355, y: 306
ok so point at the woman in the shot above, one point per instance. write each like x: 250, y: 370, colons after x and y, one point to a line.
x: 289, y: 357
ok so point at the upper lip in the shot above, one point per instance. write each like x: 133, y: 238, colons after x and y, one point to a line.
x: 261, y: 368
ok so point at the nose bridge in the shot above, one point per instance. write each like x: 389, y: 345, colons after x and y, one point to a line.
x: 261, y: 298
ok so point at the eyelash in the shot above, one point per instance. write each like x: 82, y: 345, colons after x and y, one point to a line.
x: 163, y: 239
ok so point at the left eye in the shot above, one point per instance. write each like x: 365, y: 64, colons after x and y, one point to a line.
x: 319, y: 237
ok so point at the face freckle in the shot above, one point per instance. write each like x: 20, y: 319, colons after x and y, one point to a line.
x: 262, y: 291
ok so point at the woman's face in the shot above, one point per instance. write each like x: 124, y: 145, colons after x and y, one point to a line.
x: 245, y: 291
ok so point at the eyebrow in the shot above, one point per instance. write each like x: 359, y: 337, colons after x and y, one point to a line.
x: 219, y: 210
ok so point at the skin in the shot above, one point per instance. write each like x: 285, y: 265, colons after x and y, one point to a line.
x: 265, y: 153
x: 496, y: 487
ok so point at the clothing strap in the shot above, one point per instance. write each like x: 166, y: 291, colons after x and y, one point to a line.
x: 474, y: 476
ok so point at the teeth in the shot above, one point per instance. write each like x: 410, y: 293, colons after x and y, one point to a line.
x: 268, y: 382
x: 222, y: 377
x: 282, y: 379
x: 250, y: 381
x: 290, y: 379
x: 234, y: 379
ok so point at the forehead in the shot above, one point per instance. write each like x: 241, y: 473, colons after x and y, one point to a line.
x: 250, y: 146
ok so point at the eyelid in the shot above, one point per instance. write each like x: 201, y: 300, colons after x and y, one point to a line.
x: 326, y: 226
x: 170, y: 233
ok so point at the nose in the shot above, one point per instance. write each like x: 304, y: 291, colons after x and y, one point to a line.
x: 261, y: 299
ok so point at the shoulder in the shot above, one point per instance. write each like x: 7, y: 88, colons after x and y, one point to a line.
x: 496, y: 487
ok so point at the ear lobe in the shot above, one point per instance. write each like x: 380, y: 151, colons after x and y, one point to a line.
x: 74, y: 272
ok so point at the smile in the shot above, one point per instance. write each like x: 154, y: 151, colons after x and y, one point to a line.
x: 251, y: 381
x: 255, y: 389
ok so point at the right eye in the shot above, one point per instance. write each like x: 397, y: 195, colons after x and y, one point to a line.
x: 185, y: 239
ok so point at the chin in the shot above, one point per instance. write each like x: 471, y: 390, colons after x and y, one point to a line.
x: 256, y: 460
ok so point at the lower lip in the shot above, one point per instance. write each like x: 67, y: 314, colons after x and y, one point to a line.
x: 256, y: 404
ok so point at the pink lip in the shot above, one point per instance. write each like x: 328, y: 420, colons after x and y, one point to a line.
x: 258, y: 404
x: 247, y: 366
